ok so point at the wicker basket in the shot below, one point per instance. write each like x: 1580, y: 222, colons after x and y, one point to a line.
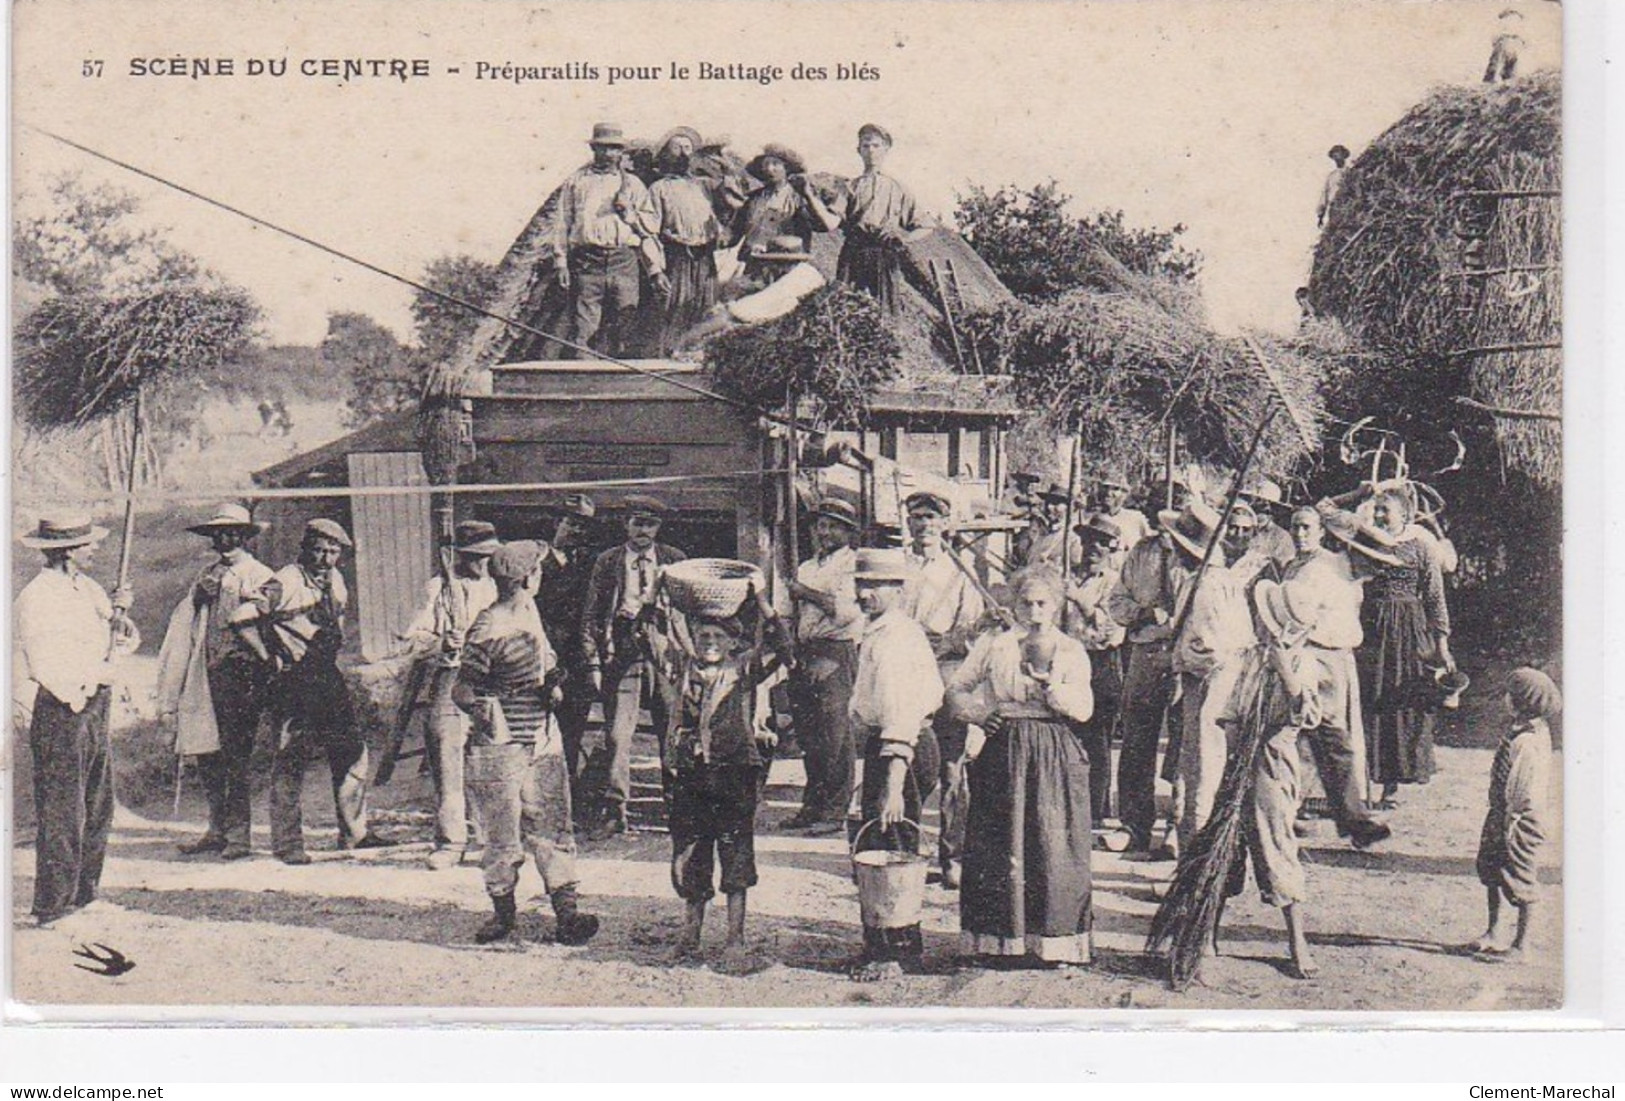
x: 715, y: 588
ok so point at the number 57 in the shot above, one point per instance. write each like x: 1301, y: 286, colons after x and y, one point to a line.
x: 91, y: 68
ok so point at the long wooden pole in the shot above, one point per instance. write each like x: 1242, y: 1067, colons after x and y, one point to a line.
x: 792, y: 468
x: 1071, y: 496
x: 129, y: 495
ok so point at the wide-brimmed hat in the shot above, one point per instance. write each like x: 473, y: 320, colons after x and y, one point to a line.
x: 1357, y: 535
x: 1191, y: 527
x: 839, y: 511
x: 476, y: 537
x: 923, y: 500
x: 1055, y: 495
x: 1100, y: 528
x: 793, y: 164
x: 229, y: 517
x: 1452, y: 683
x: 328, y: 529
x: 641, y: 504
x: 688, y: 132
x: 578, y: 504
x: 608, y: 133
x: 1264, y: 490
x: 1288, y: 611
x: 62, y: 532
x: 882, y: 564
x: 1112, y: 478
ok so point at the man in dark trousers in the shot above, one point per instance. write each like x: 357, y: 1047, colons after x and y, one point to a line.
x: 211, y: 687
x: 622, y: 583
x: 68, y: 635
x: 562, y: 601
x: 295, y: 625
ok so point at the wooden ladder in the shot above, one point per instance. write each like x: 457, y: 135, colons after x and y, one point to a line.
x: 952, y: 300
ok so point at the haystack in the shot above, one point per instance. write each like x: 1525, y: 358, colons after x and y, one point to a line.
x: 1442, y: 251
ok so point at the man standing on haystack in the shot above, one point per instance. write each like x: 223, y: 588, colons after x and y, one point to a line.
x: 942, y: 599
x: 68, y: 636
x: 690, y: 233
x: 829, y: 626
x: 622, y: 584
x: 880, y: 219
x: 295, y: 626
x: 436, y: 635
x: 211, y: 687
x: 604, y: 217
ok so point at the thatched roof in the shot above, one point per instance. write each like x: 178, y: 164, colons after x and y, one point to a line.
x: 1442, y: 251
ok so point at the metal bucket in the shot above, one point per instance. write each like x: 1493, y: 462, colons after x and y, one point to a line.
x: 891, y: 885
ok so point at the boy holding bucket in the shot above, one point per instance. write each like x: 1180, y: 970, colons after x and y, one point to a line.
x: 895, y: 692
x: 713, y: 759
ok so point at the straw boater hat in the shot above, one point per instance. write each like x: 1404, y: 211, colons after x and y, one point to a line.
x: 477, y: 537
x: 838, y: 510
x: 62, y: 532
x: 1191, y: 527
x: 793, y: 164
x: 1288, y: 611
x: 229, y: 517
x: 639, y: 504
x: 328, y: 529
x: 876, y: 564
x: 1100, y: 528
x: 608, y: 133
x: 924, y: 500
x: 1360, y: 536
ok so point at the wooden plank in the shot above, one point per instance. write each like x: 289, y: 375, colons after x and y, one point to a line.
x: 392, y: 541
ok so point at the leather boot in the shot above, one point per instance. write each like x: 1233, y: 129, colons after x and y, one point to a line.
x: 502, y: 924
x: 573, y: 927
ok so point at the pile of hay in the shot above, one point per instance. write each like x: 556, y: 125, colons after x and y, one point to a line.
x: 1462, y: 289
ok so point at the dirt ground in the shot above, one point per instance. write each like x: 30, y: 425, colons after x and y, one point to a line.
x: 379, y: 929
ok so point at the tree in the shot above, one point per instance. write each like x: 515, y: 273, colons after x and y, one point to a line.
x: 1040, y: 251
x: 81, y: 241
x: 383, y: 375
x: 441, y: 326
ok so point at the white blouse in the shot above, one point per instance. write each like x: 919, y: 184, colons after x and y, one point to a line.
x: 991, y: 679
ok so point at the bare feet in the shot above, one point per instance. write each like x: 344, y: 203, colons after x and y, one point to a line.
x: 1482, y: 943
x: 1304, y: 967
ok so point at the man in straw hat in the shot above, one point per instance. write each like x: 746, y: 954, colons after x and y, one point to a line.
x: 1270, y: 539
x: 604, y: 217
x: 436, y: 635
x: 880, y: 218
x: 829, y: 624
x: 211, y: 687
x: 1088, y: 619
x: 942, y: 599
x: 295, y: 625
x: 780, y: 218
x: 567, y: 562
x: 895, y: 691
x: 1145, y: 601
x: 622, y: 582
x: 516, y: 763
x: 68, y: 636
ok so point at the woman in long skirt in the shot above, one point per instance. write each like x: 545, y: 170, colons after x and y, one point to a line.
x: 1025, y: 886
x: 1407, y: 633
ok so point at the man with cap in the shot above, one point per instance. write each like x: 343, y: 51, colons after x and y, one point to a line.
x: 211, y: 687
x: 436, y: 635
x: 1145, y: 601
x: 786, y: 209
x: 1047, y: 548
x: 829, y: 624
x: 604, y: 216
x: 68, y: 636
x: 295, y: 626
x: 1111, y: 491
x: 1325, y: 581
x: 1269, y: 538
x: 621, y: 584
x: 1088, y: 619
x: 942, y: 599
x: 515, y: 760
x: 880, y: 218
x: 895, y: 691
x: 567, y: 562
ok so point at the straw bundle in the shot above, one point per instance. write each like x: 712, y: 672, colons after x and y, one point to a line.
x: 1424, y: 267
x: 83, y: 357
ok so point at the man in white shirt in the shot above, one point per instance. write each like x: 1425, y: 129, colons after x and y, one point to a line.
x: 1087, y: 618
x: 828, y: 626
x: 68, y: 635
x: 942, y: 599
x: 1112, y: 490
x: 895, y: 691
x: 604, y: 217
x: 211, y: 687
x: 436, y: 635
x: 623, y: 581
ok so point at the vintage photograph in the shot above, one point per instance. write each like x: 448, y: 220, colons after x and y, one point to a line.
x: 806, y: 505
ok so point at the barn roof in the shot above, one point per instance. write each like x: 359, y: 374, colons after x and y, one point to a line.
x: 397, y: 432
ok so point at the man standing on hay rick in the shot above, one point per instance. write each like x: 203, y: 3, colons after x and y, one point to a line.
x: 712, y: 756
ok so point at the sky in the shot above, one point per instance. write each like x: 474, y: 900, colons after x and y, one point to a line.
x: 1216, y: 114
